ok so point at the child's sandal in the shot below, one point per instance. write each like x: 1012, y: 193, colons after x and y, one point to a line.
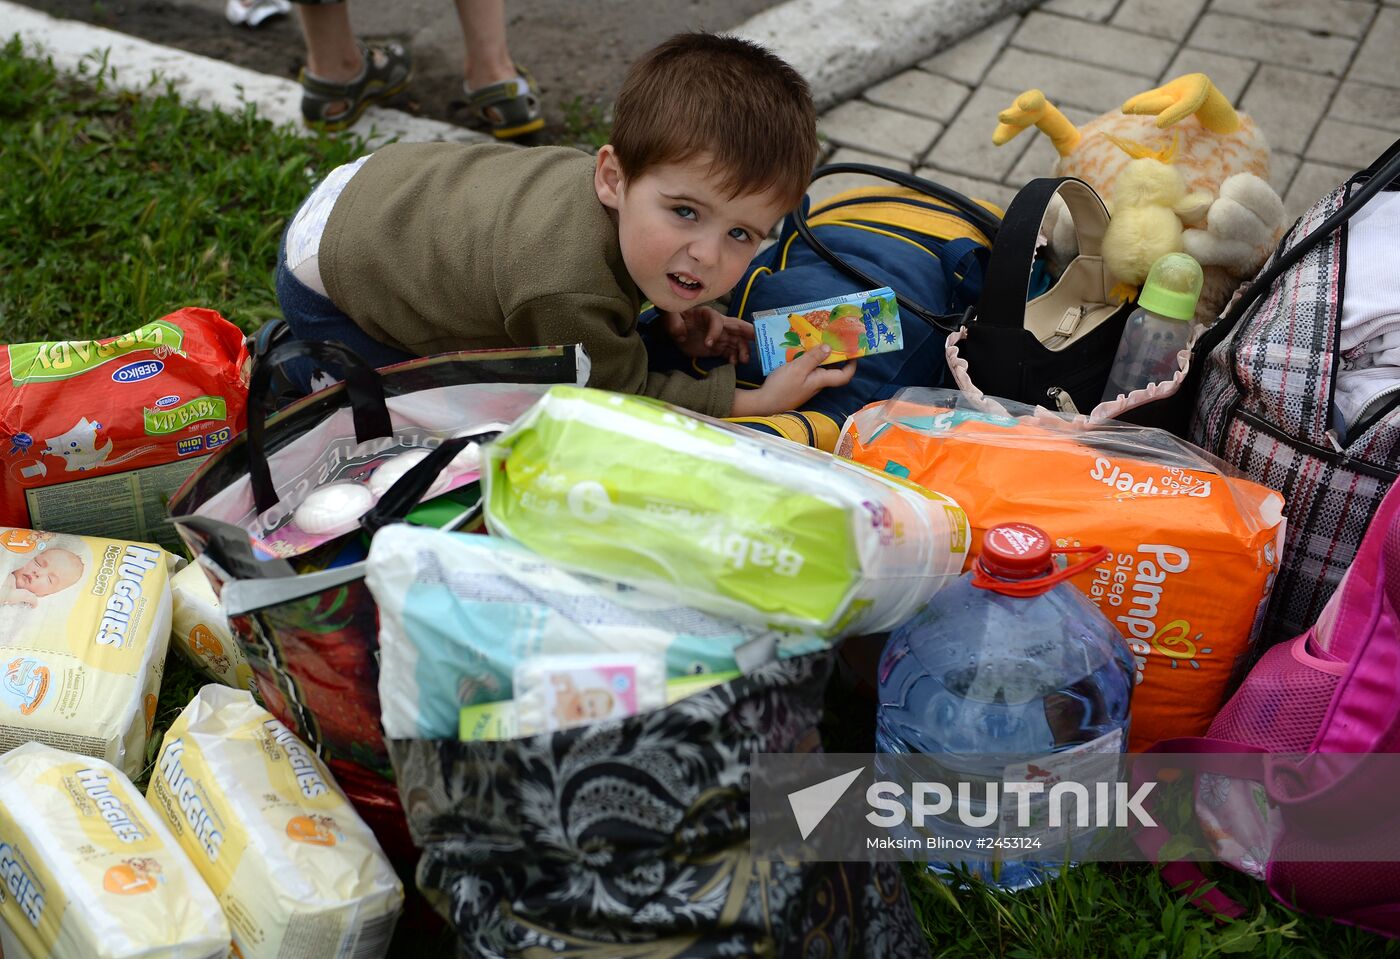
x: 508, y: 109
x: 336, y: 106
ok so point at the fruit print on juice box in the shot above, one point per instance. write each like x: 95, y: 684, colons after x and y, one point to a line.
x: 857, y: 324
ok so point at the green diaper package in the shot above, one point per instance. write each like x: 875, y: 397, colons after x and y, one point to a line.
x: 722, y: 518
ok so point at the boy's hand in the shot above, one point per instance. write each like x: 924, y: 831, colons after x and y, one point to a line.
x: 705, y: 331
x: 792, y: 384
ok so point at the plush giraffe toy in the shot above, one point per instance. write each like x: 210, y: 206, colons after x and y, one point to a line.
x: 1180, y: 169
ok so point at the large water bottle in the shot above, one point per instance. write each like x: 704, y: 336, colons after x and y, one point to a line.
x: 1010, y: 659
x: 1159, y: 328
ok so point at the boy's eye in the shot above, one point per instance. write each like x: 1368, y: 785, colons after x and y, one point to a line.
x: 684, y: 212
x: 740, y: 234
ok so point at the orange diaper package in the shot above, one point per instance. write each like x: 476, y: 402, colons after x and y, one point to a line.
x: 1192, y: 548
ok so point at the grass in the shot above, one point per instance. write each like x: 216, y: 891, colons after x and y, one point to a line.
x: 1125, y: 911
x: 586, y: 124
x: 119, y: 208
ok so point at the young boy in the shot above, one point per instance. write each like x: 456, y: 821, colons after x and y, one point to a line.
x: 428, y: 247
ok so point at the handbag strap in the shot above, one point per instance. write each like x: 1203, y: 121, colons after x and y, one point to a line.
x: 362, y: 386
x: 980, y: 217
x: 1003, y: 301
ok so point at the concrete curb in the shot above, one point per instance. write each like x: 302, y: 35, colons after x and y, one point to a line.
x: 844, y: 46
x: 840, y: 46
x: 209, y: 83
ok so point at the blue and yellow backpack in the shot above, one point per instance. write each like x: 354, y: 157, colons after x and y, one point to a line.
x: 925, y: 241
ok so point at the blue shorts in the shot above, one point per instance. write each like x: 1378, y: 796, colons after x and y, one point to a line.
x: 312, y: 316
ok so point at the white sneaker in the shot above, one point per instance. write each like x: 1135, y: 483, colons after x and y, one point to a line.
x: 251, y: 13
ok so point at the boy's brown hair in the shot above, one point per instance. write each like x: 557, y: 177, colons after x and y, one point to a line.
x: 701, y: 93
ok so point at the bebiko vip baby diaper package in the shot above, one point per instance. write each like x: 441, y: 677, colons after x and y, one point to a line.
x: 84, y: 628
x: 95, y: 434
x: 88, y: 871
x: 298, y: 873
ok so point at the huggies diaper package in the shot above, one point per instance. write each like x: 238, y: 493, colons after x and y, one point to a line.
x: 738, y: 524
x: 96, y: 434
x: 84, y: 628
x: 88, y: 871
x: 298, y: 873
x: 202, y: 633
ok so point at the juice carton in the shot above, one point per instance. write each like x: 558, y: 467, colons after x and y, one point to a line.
x: 856, y: 324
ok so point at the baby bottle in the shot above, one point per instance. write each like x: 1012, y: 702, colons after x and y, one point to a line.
x: 1158, y: 329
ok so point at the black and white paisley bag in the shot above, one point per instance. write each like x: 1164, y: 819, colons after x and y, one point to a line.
x: 630, y: 837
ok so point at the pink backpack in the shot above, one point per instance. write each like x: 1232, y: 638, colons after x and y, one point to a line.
x: 1333, y: 690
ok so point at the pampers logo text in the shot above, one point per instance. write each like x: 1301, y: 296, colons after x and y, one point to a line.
x: 1137, y: 581
x: 1172, y: 482
x: 126, y: 598
x: 187, y: 794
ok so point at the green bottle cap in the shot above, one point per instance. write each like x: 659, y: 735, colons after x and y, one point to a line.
x: 1173, y: 286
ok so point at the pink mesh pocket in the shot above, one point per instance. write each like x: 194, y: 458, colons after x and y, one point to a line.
x: 1282, y: 701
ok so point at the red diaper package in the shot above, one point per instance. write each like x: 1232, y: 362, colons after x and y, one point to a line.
x: 96, y: 434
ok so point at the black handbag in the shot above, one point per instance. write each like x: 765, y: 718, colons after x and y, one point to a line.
x: 1057, y: 349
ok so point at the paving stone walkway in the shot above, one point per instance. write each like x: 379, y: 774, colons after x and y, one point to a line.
x: 1320, y: 77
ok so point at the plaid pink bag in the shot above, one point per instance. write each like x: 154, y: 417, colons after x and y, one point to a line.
x: 1268, y: 381
x: 1333, y: 696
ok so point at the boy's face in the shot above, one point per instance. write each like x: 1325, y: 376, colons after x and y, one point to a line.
x: 50, y: 571
x: 684, y: 240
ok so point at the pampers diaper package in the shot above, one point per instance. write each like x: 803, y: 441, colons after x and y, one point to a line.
x: 298, y: 873
x: 480, y: 626
x: 90, y: 872
x: 84, y: 628
x: 1193, y: 550
x: 726, y: 520
x: 202, y: 633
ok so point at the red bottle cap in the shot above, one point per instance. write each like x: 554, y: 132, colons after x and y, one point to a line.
x: 1016, y: 551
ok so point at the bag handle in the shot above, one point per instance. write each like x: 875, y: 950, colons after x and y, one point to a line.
x: 982, y: 218
x: 228, y: 545
x: 362, y: 385
x: 1003, y: 301
x: 400, y: 499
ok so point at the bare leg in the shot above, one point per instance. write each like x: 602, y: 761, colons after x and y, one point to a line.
x: 488, y: 59
x: 331, y: 51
